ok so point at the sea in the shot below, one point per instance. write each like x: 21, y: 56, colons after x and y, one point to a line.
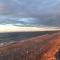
x: 18, y: 36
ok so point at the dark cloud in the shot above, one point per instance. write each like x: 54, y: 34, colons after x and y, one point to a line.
x: 52, y: 22
x: 43, y: 12
x: 31, y: 8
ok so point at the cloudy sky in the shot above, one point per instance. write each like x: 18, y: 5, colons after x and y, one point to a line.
x: 30, y: 12
x: 29, y: 8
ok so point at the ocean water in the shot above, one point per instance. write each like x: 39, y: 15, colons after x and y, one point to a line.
x: 17, y: 36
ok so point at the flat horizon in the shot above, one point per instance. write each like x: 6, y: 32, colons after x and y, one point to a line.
x: 11, y: 28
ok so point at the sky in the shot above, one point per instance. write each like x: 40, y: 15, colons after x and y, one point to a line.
x: 33, y: 8
x: 37, y: 13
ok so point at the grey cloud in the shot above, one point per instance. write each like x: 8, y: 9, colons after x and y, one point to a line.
x: 31, y: 8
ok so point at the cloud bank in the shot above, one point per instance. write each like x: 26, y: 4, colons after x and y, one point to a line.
x: 30, y: 8
x: 30, y: 12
